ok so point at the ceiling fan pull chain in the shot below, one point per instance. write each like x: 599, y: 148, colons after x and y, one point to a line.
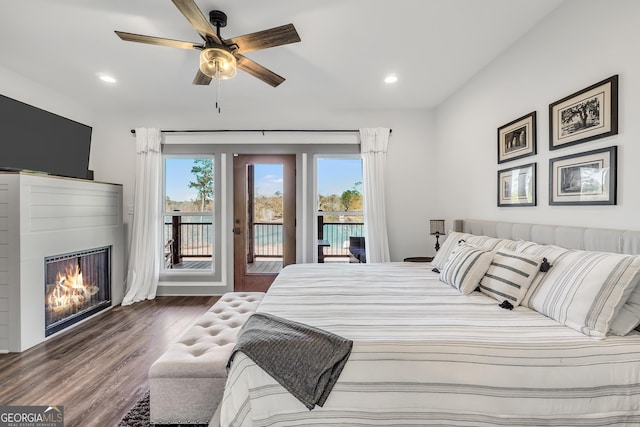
x: 218, y: 87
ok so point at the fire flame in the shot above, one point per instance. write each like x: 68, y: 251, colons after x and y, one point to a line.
x: 70, y: 292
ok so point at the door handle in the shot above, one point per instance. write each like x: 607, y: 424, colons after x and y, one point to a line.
x: 236, y: 230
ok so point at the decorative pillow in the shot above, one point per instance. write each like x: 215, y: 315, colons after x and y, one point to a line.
x: 629, y: 316
x: 585, y: 290
x: 465, y: 267
x: 449, y: 244
x: 509, y: 276
x: 484, y: 242
x: 491, y: 243
x: 551, y: 252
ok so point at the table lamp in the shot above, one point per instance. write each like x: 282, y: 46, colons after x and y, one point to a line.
x: 437, y: 229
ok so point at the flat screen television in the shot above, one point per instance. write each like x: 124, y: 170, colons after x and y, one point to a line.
x: 37, y: 140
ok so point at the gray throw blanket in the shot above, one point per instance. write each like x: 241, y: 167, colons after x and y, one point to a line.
x: 305, y: 360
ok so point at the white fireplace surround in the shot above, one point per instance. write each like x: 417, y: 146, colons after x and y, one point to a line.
x: 41, y: 216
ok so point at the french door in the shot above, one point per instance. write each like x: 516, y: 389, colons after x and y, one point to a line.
x: 264, y: 228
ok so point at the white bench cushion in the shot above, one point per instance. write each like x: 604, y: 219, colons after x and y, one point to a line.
x: 187, y: 381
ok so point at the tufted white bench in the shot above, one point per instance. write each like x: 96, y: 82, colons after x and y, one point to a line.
x: 186, y: 383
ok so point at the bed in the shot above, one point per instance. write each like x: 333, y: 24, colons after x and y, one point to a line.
x: 423, y: 354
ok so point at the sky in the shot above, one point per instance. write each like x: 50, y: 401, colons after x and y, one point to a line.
x: 268, y: 179
x: 334, y: 177
x: 338, y: 175
x: 178, y: 171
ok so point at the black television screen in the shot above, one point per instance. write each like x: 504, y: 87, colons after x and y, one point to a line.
x: 37, y: 140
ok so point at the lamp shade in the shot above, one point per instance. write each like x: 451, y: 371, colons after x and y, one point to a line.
x: 436, y: 226
x: 217, y: 63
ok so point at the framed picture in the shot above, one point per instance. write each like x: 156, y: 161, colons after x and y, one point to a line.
x: 517, y: 139
x: 517, y: 186
x: 584, y: 179
x: 584, y: 116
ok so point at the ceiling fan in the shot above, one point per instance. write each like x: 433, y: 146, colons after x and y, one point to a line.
x: 219, y: 57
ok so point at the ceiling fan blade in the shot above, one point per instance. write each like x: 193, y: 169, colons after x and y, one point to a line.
x: 201, y: 79
x: 139, y: 38
x: 258, y: 71
x: 195, y: 17
x: 277, y: 36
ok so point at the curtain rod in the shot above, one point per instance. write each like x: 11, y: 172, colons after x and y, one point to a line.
x: 133, y: 131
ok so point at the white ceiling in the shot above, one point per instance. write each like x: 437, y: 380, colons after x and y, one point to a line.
x: 347, y: 48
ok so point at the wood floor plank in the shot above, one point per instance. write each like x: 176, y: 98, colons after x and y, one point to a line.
x: 98, y: 370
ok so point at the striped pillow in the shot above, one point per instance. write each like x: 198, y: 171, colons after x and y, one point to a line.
x: 509, y: 276
x: 465, y: 267
x: 449, y: 244
x: 484, y: 242
x: 491, y: 243
x: 551, y: 252
x: 585, y: 290
x: 629, y: 316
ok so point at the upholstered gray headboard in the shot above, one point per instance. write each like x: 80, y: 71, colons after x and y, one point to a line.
x: 590, y: 239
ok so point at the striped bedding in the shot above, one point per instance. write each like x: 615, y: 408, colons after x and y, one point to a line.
x: 425, y: 355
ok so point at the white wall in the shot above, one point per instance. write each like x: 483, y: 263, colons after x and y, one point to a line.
x: 24, y: 90
x: 579, y: 44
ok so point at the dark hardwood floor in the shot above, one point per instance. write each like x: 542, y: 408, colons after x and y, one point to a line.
x: 98, y: 370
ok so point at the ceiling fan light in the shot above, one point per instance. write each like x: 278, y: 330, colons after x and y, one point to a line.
x: 108, y: 79
x: 391, y: 78
x: 217, y: 63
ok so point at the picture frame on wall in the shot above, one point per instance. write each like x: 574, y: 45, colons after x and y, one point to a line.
x: 589, y: 114
x: 587, y: 178
x: 517, y: 139
x: 517, y: 186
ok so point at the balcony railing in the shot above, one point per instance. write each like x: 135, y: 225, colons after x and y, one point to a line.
x: 187, y: 239
x: 195, y: 239
x: 267, y: 239
x: 337, y: 234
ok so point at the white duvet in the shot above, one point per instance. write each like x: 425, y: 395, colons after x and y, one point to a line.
x: 425, y: 355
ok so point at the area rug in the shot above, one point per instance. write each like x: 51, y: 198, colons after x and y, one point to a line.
x: 138, y: 416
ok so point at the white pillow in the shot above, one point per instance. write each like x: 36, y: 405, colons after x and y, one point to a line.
x: 551, y: 252
x: 491, y: 243
x: 629, y: 316
x: 465, y: 267
x: 484, y: 242
x: 585, y: 290
x: 449, y: 244
x: 509, y: 276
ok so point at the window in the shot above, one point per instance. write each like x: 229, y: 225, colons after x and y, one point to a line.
x: 188, y: 207
x: 339, y: 206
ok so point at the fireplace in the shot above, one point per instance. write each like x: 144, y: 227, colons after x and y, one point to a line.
x: 77, y: 285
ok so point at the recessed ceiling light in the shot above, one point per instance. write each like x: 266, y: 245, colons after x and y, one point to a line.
x: 107, y: 79
x: 391, y: 79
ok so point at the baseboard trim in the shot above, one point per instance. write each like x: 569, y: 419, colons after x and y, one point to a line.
x: 190, y: 290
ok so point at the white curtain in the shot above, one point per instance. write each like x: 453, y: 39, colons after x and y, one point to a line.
x: 145, y: 250
x: 373, y: 148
